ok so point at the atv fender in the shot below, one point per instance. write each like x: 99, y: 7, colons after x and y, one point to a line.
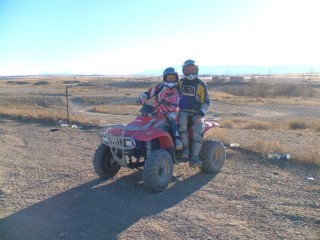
x: 155, y: 133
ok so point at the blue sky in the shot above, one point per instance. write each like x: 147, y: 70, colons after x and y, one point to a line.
x: 130, y: 36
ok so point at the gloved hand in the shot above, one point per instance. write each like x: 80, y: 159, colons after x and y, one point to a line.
x: 165, y: 103
x: 153, y: 114
x: 201, y: 113
x: 143, y: 98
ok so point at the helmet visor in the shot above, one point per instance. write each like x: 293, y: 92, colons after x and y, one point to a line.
x: 190, y: 69
x: 171, y: 78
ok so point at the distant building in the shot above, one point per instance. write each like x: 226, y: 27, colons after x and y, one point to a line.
x: 236, y: 79
x: 218, y: 79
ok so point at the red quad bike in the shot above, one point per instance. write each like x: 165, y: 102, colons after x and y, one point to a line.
x: 146, y: 142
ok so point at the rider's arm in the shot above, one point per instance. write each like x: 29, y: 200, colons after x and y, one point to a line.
x: 204, y: 98
x: 153, y: 91
x: 149, y: 94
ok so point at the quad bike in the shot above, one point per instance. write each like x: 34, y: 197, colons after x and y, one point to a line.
x: 146, y: 142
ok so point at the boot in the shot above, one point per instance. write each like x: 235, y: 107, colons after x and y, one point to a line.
x: 185, y: 153
x: 185, y: 149
x: 178, y: 144
x: 195, y: 151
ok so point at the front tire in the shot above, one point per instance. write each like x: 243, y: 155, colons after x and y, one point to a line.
x: 213, y: 156
x: 104, y: 164
x: 158, y: 171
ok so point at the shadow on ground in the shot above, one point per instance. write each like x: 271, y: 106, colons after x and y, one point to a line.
x: 96, y: 210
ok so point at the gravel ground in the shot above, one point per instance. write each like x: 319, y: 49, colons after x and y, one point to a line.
x: 48, y: 190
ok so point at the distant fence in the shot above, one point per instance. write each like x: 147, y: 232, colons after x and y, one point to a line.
x: 262, y: 124
x: 259, y: 125
x: 292, y: 129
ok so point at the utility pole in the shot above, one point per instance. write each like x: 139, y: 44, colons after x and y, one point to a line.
x: 269, y: 73
x: 67, y: 98
x: 311, y: 74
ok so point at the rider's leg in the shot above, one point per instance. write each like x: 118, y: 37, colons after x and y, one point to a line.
x: 197, y: 128
x: 183, y: 122
x: 175, y: 133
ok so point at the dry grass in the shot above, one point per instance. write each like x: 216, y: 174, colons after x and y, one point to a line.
x: 41, y: 83
x: 268, y: 147
x: 34, y: 112
x: 302, y: 146
x: 296, y: 124
x: 117, y: 109
x: 258, y: 101
x: 237, y: 123
x: 220, y: 134
x: 246, y: 124
x: 116, y: 96
x: 256, y: 144
x: 263, y: 90
x: 258, y: 125
x: 48, y: 114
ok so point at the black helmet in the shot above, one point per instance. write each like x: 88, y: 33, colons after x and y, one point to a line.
x: 190, y: 62
x: 170, y: 71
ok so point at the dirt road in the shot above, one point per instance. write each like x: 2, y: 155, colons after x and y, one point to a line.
x: 48, y: 190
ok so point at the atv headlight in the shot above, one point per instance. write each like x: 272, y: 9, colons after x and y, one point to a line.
x: 104, y: 138
x: 128, y: 143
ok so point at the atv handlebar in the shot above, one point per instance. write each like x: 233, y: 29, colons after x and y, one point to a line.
x: 147, y: 110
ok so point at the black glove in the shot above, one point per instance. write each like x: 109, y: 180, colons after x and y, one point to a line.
x: 153, y: 114
x: 164, y: 102
x: 201, y: 113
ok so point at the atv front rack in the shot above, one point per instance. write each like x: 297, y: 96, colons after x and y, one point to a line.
x: 119, y: 143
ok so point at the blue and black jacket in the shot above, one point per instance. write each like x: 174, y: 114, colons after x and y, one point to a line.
x: 194, y: 96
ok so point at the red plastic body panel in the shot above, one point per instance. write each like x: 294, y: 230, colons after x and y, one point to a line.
x: 145, y: 128
x: 142, y: 129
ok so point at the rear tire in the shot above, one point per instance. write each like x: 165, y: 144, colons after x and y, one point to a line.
x: 158, y: 171
x: 213, y: 156
x: 104, y: 164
